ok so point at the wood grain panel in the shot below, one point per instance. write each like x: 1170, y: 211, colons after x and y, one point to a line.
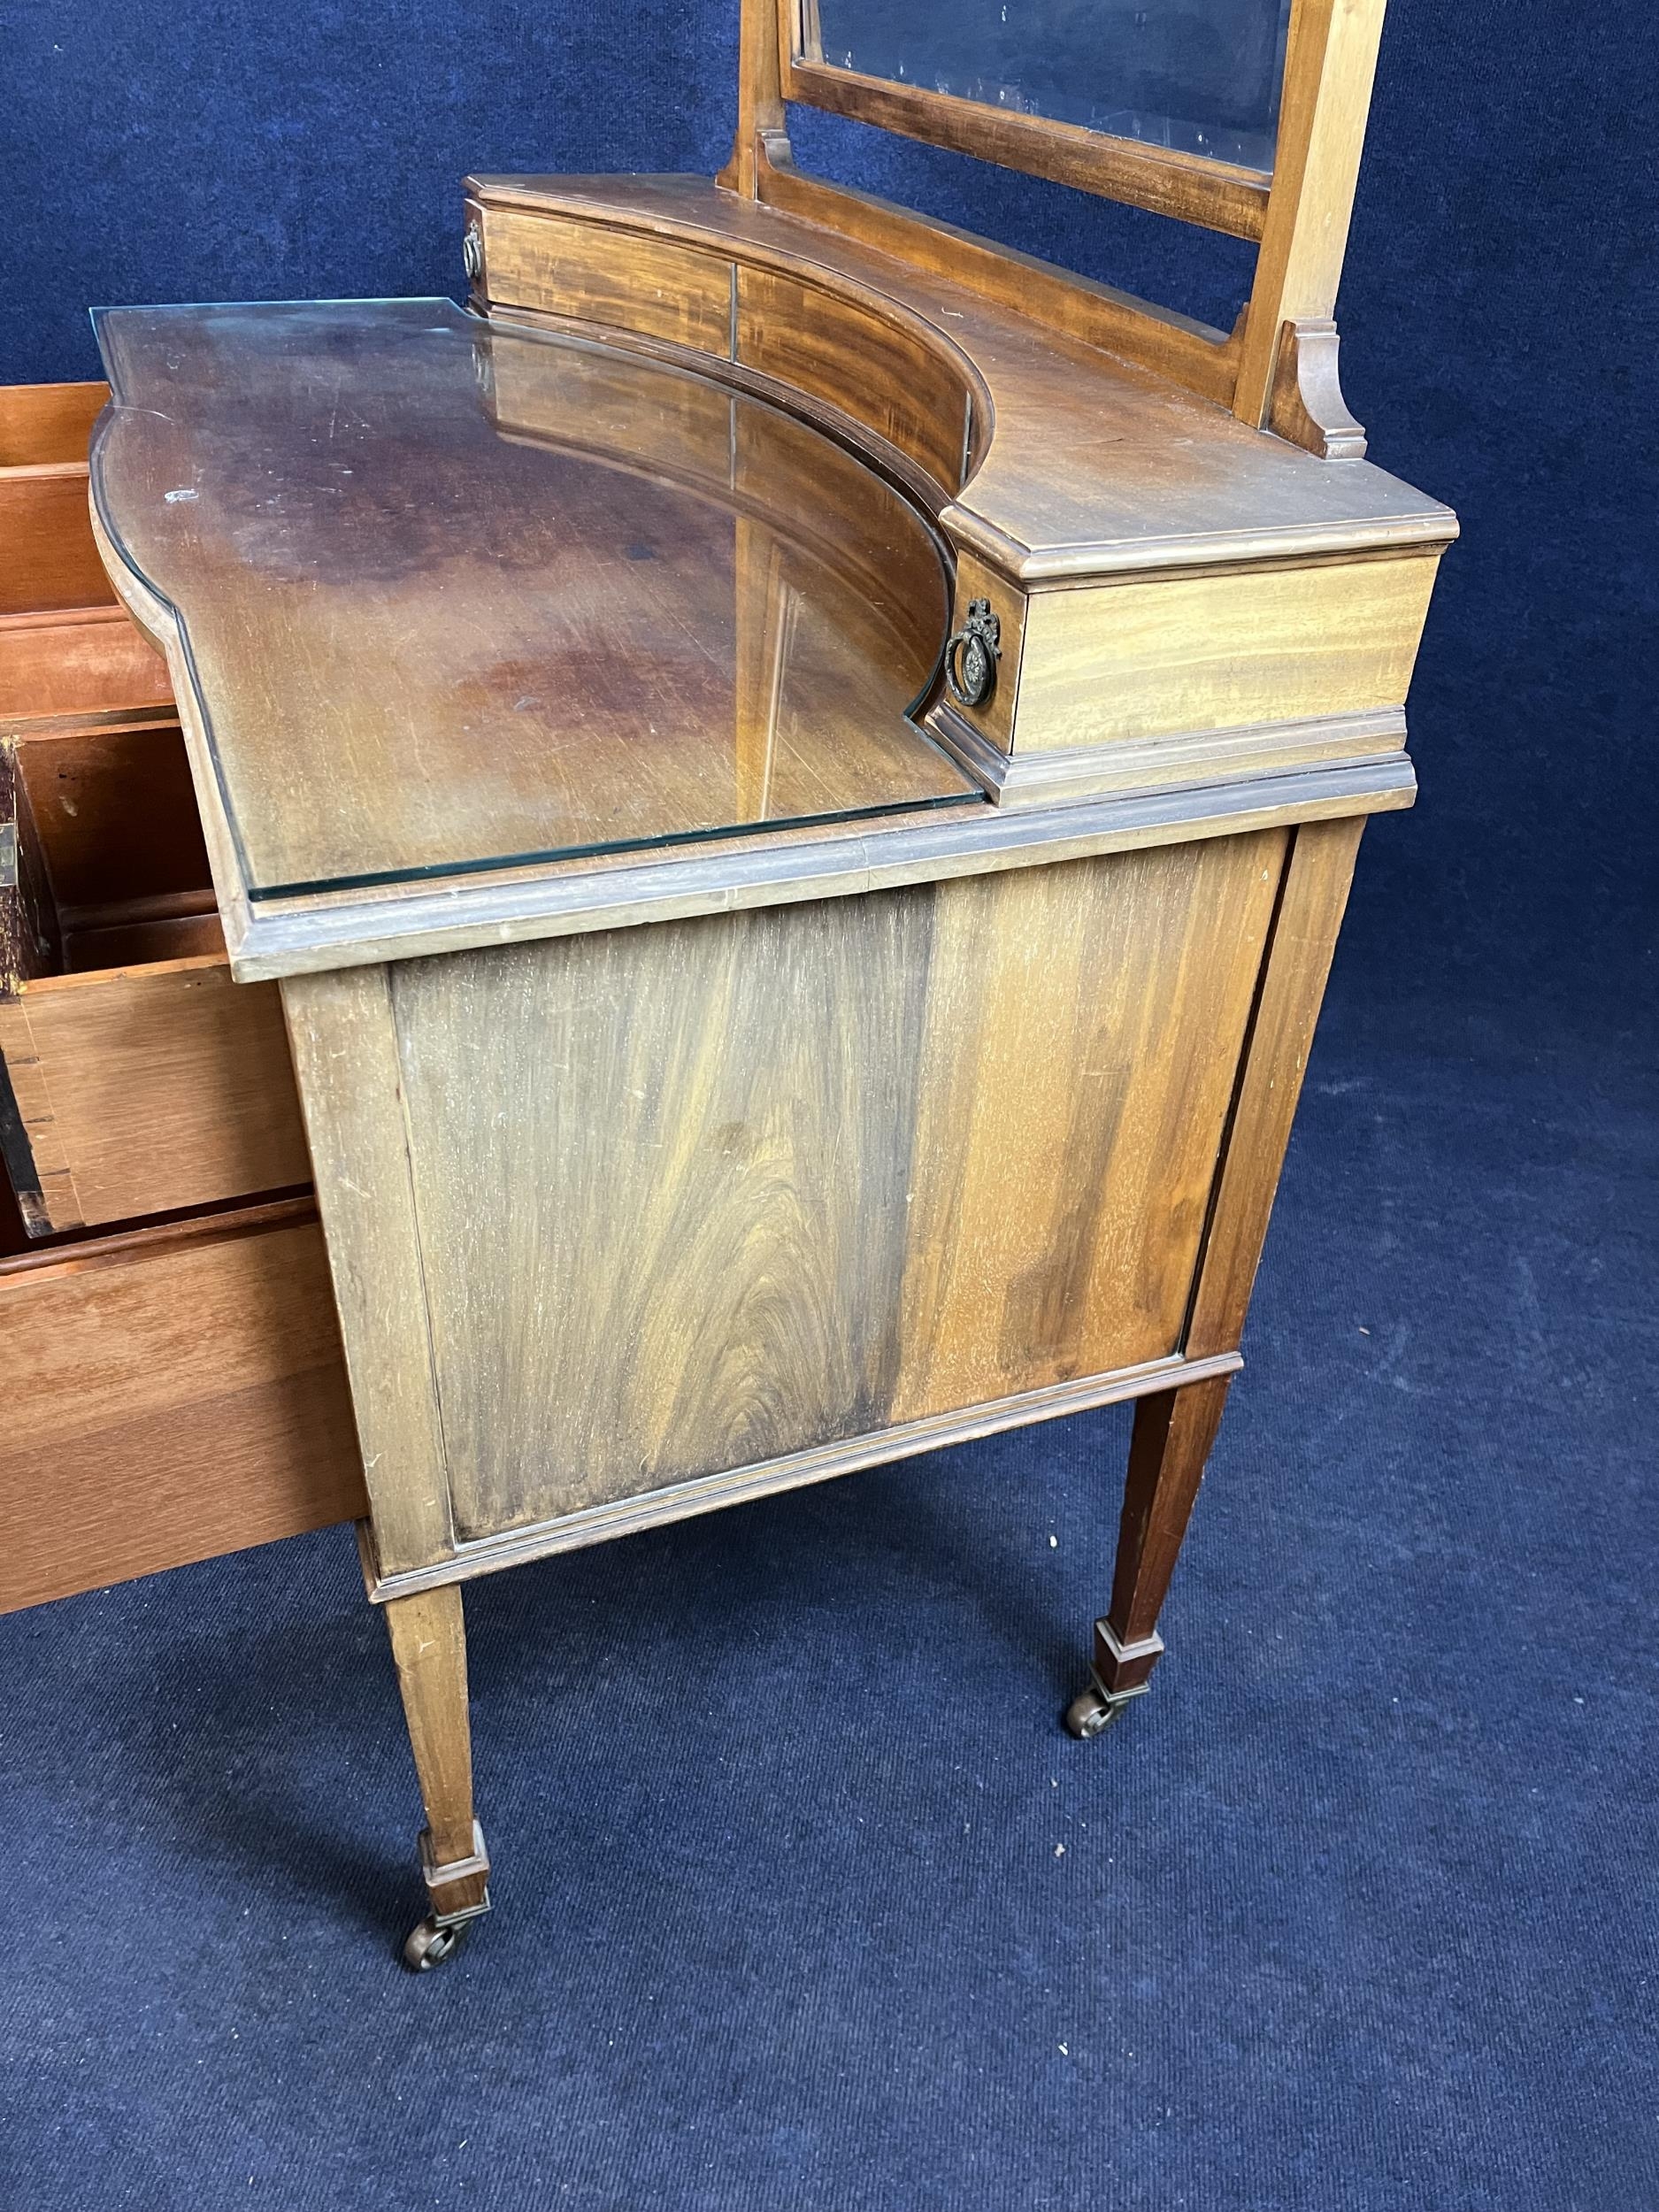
x: 1084, y: 1023
x: 1219, y: 651
x: 871, y: 365
x: 44, y: 423
x: 340, y: 1028
x: 170, y: 1396
x: 1309, y: 914
x: 47, y: 556
x: 663, y: 1216
x: 610, y: 276
x: 146, y: 1089
x: 90, y: 661
x: 718, y: 1192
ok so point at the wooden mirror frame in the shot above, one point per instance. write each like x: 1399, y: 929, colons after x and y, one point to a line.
x: 1276, y: 367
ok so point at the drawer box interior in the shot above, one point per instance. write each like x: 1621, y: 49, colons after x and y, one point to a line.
x: 66, y: 647
x: 135, y: 1077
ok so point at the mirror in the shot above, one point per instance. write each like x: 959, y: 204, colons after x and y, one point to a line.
x: 1195, y: 76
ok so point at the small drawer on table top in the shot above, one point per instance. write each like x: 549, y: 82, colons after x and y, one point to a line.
x: 654, y: 288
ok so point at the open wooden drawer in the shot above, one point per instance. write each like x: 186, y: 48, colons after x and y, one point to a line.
x: 66, y: 646
x: 171, y: 1394
x: 177, y: 1389
x: 140, y: 1078
x: 135, y: 1078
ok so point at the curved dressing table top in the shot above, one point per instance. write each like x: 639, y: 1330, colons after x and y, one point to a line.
x: 506, y: 625
x: 453, y: 599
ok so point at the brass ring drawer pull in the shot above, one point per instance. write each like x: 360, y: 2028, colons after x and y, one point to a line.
x: 971, y: 656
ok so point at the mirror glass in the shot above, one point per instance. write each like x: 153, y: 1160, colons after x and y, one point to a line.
x: 1199, y: 76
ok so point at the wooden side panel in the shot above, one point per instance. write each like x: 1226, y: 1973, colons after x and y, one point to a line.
x: 114, y: 811
x: 651, y: 286
x: 697, y: 1196
x: 143, y: 1090
x: 1084, y: 1023
x: 340, y: 1026
x: 866, y: 363
x: 167, y: 1399
x: 43, y: 423
x: 90, y: 661
x: 47, y: 556
x: 1311, y: 908
x: 1219, y: 651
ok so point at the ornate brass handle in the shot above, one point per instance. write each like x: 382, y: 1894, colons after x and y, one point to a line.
x: 971, y: 656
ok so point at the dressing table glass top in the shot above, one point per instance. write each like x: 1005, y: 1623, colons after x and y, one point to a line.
x: 457, y: 598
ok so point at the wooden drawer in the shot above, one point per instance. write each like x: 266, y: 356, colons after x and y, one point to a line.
x: 172, y: 1393
x: 654, y: 287
x: 135, y: 1077
x: 66, y: 647
x: 47, y: 556
x: 890, y: 378
x: 176, y: 1390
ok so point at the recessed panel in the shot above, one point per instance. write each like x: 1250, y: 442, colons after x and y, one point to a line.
x: 723, y: 1190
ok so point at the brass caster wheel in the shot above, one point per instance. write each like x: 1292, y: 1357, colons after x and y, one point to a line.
x: 1092, y: 1713
x: 429, y: 1944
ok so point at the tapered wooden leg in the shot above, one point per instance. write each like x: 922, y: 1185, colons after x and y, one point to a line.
x: 428, y: 1636
x: 1173, y: 1432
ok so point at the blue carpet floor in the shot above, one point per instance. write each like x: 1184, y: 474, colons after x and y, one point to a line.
x: 804, y: 1901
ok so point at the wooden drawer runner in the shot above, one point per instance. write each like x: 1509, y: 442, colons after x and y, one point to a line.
x: 171, y: 1394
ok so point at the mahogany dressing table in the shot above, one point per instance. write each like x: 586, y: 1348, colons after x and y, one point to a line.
x: 798, y: 774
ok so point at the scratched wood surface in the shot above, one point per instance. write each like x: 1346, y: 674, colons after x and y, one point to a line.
x: 720, y: 1190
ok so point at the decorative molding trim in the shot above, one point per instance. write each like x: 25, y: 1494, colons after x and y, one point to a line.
x: 1187, y: 757
x: 1308, y: 408
x: 707, y: 1494
x: 516, y: 907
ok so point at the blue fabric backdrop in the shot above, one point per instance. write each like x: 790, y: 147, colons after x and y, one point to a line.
x: 804, y: 1901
